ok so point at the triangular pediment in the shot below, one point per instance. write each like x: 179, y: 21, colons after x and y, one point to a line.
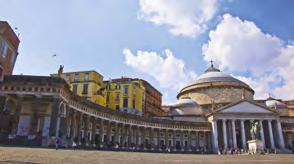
x: 245, y: 107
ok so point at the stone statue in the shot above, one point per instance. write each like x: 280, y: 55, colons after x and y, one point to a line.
x: 60, y: 70
x: 254, y: 130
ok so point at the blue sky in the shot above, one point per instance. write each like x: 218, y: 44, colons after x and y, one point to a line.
x: 107, y: 35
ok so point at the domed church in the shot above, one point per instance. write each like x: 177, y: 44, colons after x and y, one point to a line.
x: 228, y: 104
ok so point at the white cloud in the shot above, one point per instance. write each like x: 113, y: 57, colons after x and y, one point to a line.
x: 187, y: 18
x: 169, y: 71
x: 240, y: 46
x: 235, y: 42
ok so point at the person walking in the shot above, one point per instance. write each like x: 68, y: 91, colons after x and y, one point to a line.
x: 74, y: 145
x: 56, y: 143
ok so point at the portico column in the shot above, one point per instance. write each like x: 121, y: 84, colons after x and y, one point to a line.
x: 158, y: 139
x: 243, y: 134
x: 130, y: 136
x: 166, y: 138
x: 137, y: 136
x: 271, y: 134
x: 16, y: 116
x: 151, y: 138
x: 182, y: 140
x: 101, y: 133
x: 262, y: 133
x: 72, y: 124
x: 225, y: 134
x: 93, y: 131
x: 174, y: 139
x: 215, y: 136
x: 116, y: 133
x: 189, y: 140
x: 280, y: 132
x: 108, y: 133
x: 79, y: 128
x: 234, y: 134
x: 143, y: 137
x: 36, y: 115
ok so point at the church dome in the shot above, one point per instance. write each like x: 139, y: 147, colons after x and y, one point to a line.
x: 185, y: 106
x: 185, y: 102
x: 215, y: 75
x: 215, y: 86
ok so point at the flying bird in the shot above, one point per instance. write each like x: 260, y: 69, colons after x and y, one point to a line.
x: 54, y: 55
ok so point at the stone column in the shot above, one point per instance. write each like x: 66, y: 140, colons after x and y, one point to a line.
x: 116, y: 133
x: 86, y: 129
x: 243, y: 135
x: 35, y: 117
x: 108, y: 133
x: 197, y: 139
x: 73, y: 124
x: 189, y: 141
x: 130, y: 136
x: 271, y: 134
x: 166, y: 138
x: 101, y: 135
x: 174, y: 140
x: 79, y: 128
x: 234, y: 134
x: 151, y: 138
x: 143, y: 138
x: 158, y: 139
x: 137, y: 136
x: 182, y: 140
x: 280, y: 132
x: 262, y: 133
x: 225, y: 134
x: 215, y: 136
x: 123, y: 135
x: 93, y: 131
x: 16, y: 116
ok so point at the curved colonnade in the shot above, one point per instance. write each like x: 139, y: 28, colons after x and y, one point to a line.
x: 39, y: 109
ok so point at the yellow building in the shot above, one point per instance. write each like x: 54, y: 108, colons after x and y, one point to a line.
x: 88, y: 84
x: 125, y: 94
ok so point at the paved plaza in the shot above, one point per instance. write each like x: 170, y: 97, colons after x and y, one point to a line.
x: 17, y: 155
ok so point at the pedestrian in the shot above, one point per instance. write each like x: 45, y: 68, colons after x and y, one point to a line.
x: 56, y: 143
x: 74, y: 145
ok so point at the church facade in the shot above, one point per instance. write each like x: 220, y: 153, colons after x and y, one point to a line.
x: 213, y: 113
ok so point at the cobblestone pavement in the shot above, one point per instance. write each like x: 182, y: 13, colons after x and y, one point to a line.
x: 15, y: 155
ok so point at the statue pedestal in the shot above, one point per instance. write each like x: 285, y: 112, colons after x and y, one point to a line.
x: 255, y: 146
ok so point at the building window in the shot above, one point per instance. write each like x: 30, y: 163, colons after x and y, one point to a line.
x: 3, y: 49
x: 107, y: 86
x: 76, y: 78
x: 117, y: 107
x: 86, y: 77
x: 117, y: 86
x: 134, y: 104
x: 125, y: 103
x: 126, y: 90
x: 75, y: 88
x: 85, y: 89
x: 117, y: 96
